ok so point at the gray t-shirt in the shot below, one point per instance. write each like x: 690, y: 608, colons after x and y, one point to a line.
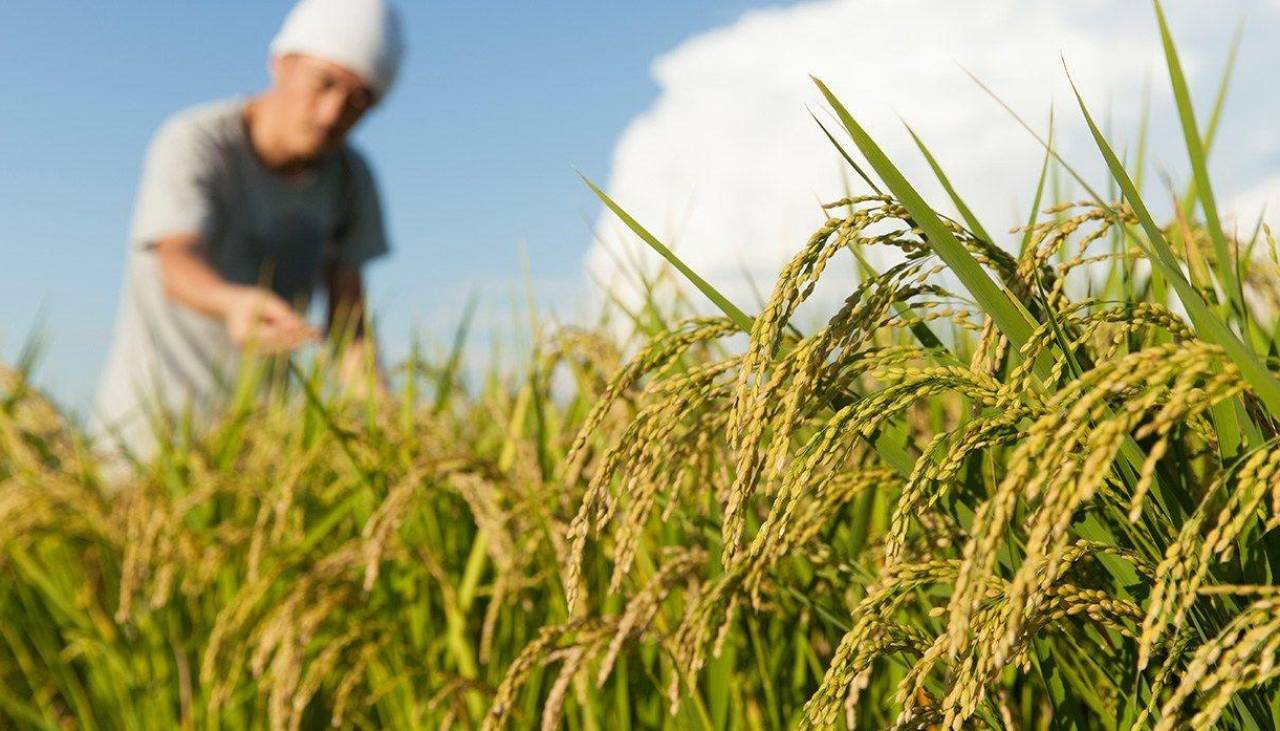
x: 256, y: 227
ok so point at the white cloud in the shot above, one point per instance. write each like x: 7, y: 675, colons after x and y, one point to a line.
x: 728, y: 165
x: 1261, y: 198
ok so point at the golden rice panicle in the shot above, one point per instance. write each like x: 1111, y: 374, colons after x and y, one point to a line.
x: 813, y: 512
x: 850, y: 664
x: 383, y: 523
x: 348, y: 680
x: 552, y: 643
x: 596, y: 504
x: 1175, y: 648
x: 835, y: 439
x: 979, y: 667
x: 1188, y: 559
x: 708, y: 617
x: 572, y: 661
x: 1088, y: 464
x: 659, y: 443
x: 587, y: 352
x: 990, y: 524
x: 911, y: 689
x: 35, y: 438
x: 758, y: 442
x: 793, y: 284
x: 1242, y: 656
x: 838, y: 353
x: 746, y: 426
x: 483, y: 496
x: 1051, y: 237
x: 684, y: 415
x: 644, y: 606
x: 1181, y: 399
x: 318, y: 671
x: 1063, y: 461
x: 940, y: 464
x: 660, y: 352
x: 870, y: 638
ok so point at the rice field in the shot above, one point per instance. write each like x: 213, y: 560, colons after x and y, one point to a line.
x: 1026, y: 481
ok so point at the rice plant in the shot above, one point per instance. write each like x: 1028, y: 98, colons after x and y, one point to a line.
x: 1021, y: 486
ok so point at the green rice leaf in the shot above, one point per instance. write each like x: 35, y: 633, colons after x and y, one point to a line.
x: 1012, y: 319
x: 849, y: 159
x: 1207, y: 324
x: 1215, y: 116
x: 449, y: 375
x: 1035, y: 201
x: 739, y: 318
x: 965, y: 212
x: 1225, y: 262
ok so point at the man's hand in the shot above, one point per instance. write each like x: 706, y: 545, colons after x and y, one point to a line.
x: 256, y: 317
x: 252, y: 315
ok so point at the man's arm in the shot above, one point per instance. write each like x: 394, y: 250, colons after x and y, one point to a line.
x: 252, y: 315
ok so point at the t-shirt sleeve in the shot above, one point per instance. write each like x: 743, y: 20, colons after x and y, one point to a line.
x: 176, y: 193
x: 362, y: 237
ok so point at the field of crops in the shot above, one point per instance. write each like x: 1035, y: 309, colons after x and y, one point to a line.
x: 1025, y: 485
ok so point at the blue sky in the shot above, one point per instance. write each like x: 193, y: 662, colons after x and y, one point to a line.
x: 692, y: 114
x: 476, y: 149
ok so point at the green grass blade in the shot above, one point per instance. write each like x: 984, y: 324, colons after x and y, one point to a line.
x: 1043, y: 143
x: 1196, y: 152
x: 956, y: 200
x: 451, y: 367
x: 1207, y: 324
x: 848, y: 158
x: 1035, y: 202
x: 1215, y: 116
x: 1012, y: 320
x: 1144, y: 128
x: 739, y: 318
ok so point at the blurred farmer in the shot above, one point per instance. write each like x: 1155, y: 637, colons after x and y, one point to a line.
x: 244, y: 206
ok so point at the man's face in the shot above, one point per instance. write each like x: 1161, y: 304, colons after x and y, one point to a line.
x: 320, y: 103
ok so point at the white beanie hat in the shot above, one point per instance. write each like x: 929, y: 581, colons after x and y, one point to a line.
x: 362, y: 36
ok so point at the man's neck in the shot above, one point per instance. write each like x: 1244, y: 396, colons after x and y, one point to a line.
x: 266, y: 141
